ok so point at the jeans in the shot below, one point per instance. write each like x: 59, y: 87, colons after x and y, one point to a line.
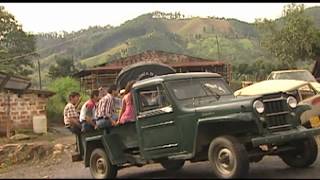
x: 103, y: 123
x: 114, y: 117
x: 86, y: 127
x: 76, y: 131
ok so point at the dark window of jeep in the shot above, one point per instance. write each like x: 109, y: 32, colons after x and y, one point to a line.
x: 151, y: 98
x: 200, y: 91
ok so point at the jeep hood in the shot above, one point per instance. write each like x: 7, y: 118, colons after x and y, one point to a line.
x: 229, y: 106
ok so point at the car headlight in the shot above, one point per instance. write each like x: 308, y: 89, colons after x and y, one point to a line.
x: 292, y: 102
x: 258, y: 105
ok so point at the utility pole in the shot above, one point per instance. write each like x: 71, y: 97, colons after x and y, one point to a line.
x: 8, y: 115
x: 40, y: 85
x: 218, y: 48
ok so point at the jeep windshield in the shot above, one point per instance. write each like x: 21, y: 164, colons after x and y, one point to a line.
x: 200, y: 90
x: 296, y: 75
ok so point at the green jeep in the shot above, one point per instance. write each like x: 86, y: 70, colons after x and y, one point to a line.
x: 195, y: 117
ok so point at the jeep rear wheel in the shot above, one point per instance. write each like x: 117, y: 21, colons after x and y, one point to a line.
x: 100, y: 165
x: 228, y: 157
x: 172, y: 165
x: 304, y: 155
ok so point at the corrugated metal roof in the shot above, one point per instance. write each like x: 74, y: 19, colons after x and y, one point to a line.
x: 134, y: 56
x: 195, y: 64
x: 116, y: 65
x: 20, y: 84
x: 45, y: 93
x: 13, y: 82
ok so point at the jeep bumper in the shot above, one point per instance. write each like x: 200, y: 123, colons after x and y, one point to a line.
x: 282, y: 137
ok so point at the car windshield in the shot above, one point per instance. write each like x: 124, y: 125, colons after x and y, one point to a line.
x: 297, y: 75
x: 199, y: 88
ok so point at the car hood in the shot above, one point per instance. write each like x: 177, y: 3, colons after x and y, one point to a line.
x: 270, y: 86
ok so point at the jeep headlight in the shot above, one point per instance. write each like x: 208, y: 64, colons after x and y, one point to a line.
x: 292, y: 102
x: 258, y: 105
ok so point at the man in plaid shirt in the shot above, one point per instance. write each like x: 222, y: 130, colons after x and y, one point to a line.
x: 106, y: 108
x: 71, y: 116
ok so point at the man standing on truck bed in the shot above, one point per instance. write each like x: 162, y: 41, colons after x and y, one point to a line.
x: 106, y: 108
x: 88, y: 114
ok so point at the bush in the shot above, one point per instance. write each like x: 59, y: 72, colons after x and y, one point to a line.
x: 62, y: 87
x: 235, y: 85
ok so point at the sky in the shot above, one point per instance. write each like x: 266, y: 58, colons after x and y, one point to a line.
x: 50, y: 17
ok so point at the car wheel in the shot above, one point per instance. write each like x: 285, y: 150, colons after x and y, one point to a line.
x: 228, y: 157
x: 305, y: 153
x: 172, y: 165
x: 100, y: 165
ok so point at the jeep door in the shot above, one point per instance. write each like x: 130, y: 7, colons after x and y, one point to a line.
x: 156, y: 126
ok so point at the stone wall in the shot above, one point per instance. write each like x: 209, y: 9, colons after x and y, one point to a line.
x: 22, y: 109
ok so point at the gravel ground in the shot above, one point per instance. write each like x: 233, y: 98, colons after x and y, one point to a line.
x: 63, y: 167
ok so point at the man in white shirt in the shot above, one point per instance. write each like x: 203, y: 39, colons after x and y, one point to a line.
x: 87, y: 113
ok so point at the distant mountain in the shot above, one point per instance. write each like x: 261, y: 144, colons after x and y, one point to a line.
x: 314, y: 13
x: 200, y: 37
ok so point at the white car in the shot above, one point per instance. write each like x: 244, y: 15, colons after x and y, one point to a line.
x: 302, y: 75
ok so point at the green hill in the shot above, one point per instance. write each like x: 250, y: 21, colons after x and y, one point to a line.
x: 238, y: 40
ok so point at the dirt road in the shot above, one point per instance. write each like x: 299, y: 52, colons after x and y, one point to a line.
x: 62, y: 167
x: 269, y: 167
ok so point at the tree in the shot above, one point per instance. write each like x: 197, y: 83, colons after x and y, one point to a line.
x: 62, y: 87
x: 291, y: 38
x: 64, y: 67
x: 316, y: 47
x: 242, y: 69
x: 14, y: 45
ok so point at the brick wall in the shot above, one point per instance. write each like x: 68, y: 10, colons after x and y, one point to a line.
x: 22, y: 110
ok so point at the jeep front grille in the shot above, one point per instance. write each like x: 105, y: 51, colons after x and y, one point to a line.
x: 276, y: 110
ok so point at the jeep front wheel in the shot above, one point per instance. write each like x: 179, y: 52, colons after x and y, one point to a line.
x: 172, y: 165
x: 228, y: 157
x: 304, y: 155
x: 100, y: 165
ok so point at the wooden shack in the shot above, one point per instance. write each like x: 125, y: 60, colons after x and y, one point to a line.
x: 19, y: 104
x: 105, y: 74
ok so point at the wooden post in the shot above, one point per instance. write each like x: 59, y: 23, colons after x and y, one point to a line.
x: 39, y: 73
x: 218, y: 47
x: 8, y: 115
x: 92, y: 82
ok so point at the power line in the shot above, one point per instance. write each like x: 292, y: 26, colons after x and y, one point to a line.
x: 32, y: 53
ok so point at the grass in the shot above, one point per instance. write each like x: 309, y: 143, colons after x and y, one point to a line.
x: 103, y: 57
x: 4, y: 140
